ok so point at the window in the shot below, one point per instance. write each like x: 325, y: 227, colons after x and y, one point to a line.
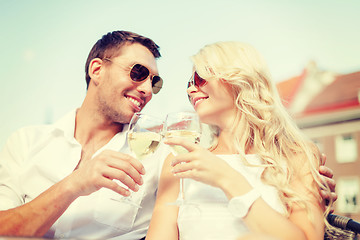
x: 346, y: 148
x: 348, y: 195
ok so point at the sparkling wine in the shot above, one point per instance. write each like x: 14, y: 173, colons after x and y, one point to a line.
x: 186, y: 134
x: 143, y: 143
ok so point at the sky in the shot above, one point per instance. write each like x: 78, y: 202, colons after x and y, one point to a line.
x: 44, y: 45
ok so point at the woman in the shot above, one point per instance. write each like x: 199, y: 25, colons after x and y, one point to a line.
x: 262, y: 175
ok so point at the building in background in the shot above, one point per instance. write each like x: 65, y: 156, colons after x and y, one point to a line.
x: 326, y: 106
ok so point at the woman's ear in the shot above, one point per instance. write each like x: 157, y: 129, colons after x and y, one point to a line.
x: 95, y: 67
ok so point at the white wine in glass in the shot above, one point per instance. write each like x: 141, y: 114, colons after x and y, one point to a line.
x: 144, y: 134
x: 192, y: 136
x: 184, y: 125
x: 143, y: 138
x: 142, y: 144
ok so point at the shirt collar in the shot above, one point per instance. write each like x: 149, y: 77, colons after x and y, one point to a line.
x: 66, y: 126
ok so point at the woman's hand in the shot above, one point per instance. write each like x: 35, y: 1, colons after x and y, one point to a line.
x: 203, y: 166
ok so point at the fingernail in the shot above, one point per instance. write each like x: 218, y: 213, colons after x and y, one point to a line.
x: 136, y: 188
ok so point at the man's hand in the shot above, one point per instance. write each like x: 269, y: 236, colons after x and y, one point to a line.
x: 327, y: 174
x: 37, y: 216
x: 100, y: 172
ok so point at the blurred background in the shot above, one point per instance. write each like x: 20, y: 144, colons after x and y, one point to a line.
x: 310, y: 47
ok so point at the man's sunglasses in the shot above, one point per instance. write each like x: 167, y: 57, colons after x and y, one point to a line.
x: 139, y: 73
x: 196, y: 81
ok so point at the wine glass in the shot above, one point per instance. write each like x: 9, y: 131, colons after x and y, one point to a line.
x: 184, y: 125
x: 144, y: 136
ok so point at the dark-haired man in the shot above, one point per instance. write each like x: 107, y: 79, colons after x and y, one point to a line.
x: 57, y: 180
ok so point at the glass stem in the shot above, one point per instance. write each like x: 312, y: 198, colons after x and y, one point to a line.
x: 182, y: 196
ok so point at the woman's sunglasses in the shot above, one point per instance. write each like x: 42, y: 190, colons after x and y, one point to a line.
x: 196, y: 81
x: 139, y: 73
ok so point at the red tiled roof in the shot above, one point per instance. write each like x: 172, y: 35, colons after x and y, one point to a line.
x: 288, y: 88
x: 340, y: 94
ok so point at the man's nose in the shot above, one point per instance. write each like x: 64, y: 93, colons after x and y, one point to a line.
x: 145, y: 87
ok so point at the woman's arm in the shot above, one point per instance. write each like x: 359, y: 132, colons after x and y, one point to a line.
x: 302, y: 223
x: 201, y: 165
x: 261, y: 218
x: 163, y: 224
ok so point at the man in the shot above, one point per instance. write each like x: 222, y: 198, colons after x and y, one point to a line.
x: 57, y: 180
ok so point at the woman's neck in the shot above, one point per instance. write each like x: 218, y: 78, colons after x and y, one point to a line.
x: 229, y: 141
x: 225, y: 144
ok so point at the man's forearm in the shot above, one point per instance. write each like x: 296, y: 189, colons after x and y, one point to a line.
x: 36, y: 217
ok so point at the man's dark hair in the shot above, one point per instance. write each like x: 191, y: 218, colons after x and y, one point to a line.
x: 109, y: 45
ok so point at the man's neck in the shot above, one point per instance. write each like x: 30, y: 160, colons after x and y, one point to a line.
x: 93, y: 131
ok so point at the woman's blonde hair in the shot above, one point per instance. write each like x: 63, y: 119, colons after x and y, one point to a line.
x: 286, y: 153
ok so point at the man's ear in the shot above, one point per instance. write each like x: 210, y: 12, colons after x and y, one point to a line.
x: 95, y: 68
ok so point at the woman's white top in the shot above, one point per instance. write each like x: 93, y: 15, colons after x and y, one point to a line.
x: 205, y: 214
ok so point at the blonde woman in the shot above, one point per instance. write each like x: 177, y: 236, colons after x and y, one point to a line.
x: 262, y: 175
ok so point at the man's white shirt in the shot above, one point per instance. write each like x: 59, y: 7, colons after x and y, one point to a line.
x: 35, y: 158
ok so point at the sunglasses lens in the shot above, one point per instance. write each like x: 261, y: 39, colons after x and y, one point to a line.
x: 199, y: 81
x: 190, y: 82
x: 138, y: 73
x: 157, y: 83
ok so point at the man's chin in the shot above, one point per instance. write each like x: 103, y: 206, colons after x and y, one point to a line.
x: 128, y: 118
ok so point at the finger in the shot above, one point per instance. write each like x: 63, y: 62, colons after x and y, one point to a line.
x: 188, y: 170
x: 122, y: 177
x: 328, y: 196
x: 123, y: 169
x: 182, y: 172
x: 333, y: 196
x: 190, y: 173
x: 118, y: 158
x: 182, y: 167
x: 189, y: 156
x: 325, y: 171
x: 186, y: 158
x: 129, y: 165
x: 179, y: 160
x: 134, y: 162
x: 324, y: 195
x: 116, y: 188
x: 186, y: 143
x: 323, y: 159
x: 331, y: 183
